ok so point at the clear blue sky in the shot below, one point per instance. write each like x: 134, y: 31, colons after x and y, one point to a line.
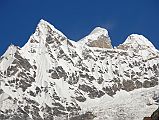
x: 76, y: 18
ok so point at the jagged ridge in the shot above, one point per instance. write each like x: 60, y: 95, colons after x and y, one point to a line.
x: 52, y: 76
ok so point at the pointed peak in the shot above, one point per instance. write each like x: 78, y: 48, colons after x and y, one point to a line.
x: 45, y: 26
x: 43, y: 21
x: 44, y: 34
x: 99, y: 30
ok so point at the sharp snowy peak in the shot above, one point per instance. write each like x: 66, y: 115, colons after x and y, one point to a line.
x: 44, y: 27
x: 54, y: 78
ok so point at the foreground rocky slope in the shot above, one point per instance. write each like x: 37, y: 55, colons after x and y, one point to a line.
x: 52, y: 77
x: 155, y: 115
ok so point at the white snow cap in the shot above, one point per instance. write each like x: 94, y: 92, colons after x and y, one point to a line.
x: 42, y: 25
x: 135, y: 39
x: 100, y: 31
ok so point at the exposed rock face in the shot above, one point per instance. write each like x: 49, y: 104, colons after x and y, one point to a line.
x: 147, y: 118
x: 51, y: 76
x: 97, y: 38
x: 85, y: 116
x: 101, y: 42
x: 155, y: 115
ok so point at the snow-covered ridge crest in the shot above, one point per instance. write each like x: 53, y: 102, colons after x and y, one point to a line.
x: 44, y: 34
x: 43, y: 27
x: 140, y: 45
x: 136, y: 39
x: 96, y: 38
x: 52, y: 76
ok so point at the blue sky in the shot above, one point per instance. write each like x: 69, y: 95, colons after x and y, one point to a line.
x: 77, y: 18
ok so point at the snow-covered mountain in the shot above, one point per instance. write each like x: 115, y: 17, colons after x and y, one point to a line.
x: 53, y: 78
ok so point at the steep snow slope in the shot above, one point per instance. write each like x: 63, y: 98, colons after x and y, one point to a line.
x: 52, y: 77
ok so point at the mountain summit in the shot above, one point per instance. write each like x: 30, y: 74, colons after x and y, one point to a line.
x: 100, y: 31
x: 54, y: 78
x: 97, y: 38
x: 136, y: 41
